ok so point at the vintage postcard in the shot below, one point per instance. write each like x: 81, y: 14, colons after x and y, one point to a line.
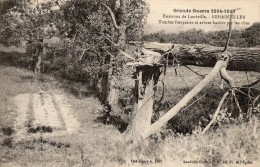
x: 129, y: 83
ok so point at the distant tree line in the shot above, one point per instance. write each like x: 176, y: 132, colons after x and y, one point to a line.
x: 249, y: 37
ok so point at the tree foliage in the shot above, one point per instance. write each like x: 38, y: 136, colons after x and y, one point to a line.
x: 252, y: 35
x: 245, y: 38
x: 5, y: 5
x: 87, y: 34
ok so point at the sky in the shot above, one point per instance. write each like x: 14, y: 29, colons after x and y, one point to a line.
x: 247, y: 15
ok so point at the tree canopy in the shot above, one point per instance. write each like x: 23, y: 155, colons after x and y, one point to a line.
x: 249, y: 37
x: 252, y: 35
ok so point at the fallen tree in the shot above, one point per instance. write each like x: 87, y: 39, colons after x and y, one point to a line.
x: 242, y: 59
x: 156, y: 55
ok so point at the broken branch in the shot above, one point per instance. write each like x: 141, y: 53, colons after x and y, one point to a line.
x: 224, y: 75
x: 126, y: 55
x: 230, y: 28
x: 112, y: 15
x: 216, y: 113
x: 184, y: 101
x: 200, y: 75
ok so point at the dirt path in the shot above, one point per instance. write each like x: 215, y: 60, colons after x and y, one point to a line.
x: 44, y: 114
x: 45, y: 125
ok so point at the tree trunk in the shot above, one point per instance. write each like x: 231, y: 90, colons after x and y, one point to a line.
x: 185, y: 100
x: 243, y: 59
x: 37, y: 69
x: 147, y: 78
x: 113, y: 95
x: 39, y: 54
x: 102, y: 87
x: 113, y: 91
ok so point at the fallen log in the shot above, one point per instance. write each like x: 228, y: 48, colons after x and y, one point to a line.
x: 242, y: 59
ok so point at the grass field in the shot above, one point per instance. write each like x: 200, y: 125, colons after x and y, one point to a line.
x: 86, y: 147
x: 99, y: 145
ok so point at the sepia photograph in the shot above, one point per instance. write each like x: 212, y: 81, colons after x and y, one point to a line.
x: 129, y: 83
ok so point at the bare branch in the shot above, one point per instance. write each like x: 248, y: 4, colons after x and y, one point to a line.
x: 116, y: 45
x: 230, y: 29
x: 253, y: 83
x: 126, y: 55
x: 200, y: 75
x: 245, y: 93
x: 237, y: 103
x: 112, y: 15
x: 197, y: 100
x: 123, y: 53
x: 112, y: 42
x: 217, y: 112
x: 83, y: 52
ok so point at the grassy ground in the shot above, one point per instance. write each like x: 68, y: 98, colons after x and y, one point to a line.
x: 205, y: 103
x: 84, y: 148
x: 101, y: 145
